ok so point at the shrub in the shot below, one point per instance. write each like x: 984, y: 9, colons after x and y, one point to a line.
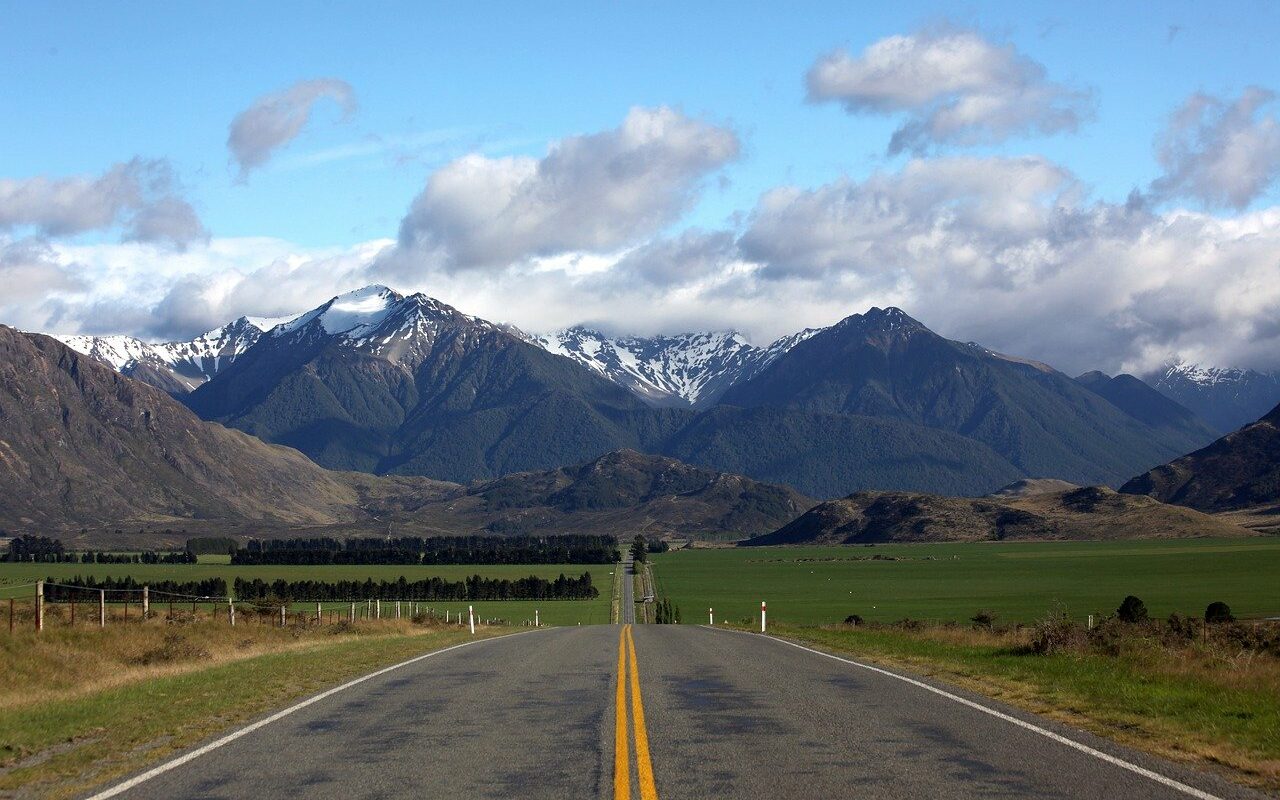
x: 175, y: 647
x: 853, y: 620
x: 1218, y: 612
x: 1132, y: 610
x: 1180, y: 629
x: 984, y: 619
x: 1057, y: 633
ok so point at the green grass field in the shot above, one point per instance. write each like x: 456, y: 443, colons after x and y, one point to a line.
x: 561, y: 612
x: 1020, y: 581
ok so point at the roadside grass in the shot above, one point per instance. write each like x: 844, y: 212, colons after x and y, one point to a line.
x: 1209, y: 705
x: 1019, y: 581
x: 81, y: 706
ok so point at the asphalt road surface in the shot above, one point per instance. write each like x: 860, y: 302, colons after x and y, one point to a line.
x: 555, y: 714
x: 628, y: 609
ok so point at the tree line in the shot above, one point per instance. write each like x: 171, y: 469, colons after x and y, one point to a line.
x: 45, y: 550
x: 566, y: 549
x: 56, y: 590
x: 475, y: 587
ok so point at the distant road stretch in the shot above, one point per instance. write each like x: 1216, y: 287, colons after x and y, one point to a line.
x: 670, y: 711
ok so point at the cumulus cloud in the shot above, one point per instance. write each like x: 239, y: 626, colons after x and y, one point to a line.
x: 1223, y: 153
x: 31, y: 276
x: 599, y: 192
x: 952, y: 86
x: 141, y: 197
x: 1012, y: 253
x: 276, y: 119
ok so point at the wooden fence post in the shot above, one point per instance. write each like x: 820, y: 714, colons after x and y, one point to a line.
x: 39, y: 606
x: 10, y: 615
x: 282, y: 612
x: 102, y: 608
x: 231, y: 612
x: 146, y: 603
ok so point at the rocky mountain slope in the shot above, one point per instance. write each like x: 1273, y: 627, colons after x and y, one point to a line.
x: 80, y: 444
x: 1178, y: 426
x: 886, y: 365
x: 1090, y: 512
x: 624, y: 493
x: 1239, y: 471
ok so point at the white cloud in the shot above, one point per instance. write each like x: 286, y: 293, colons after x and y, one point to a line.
x: 141, y: 198
x: 953, y: 87
x: 1222, y: 153
x: 597, y: 193
x: 276, y: 119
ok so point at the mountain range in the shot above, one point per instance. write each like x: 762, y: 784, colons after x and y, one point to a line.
x: 391, y: 384
x: 1225, y: 398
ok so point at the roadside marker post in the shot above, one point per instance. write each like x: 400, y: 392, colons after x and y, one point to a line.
x: 536, y: 623
x: 282, y: 612
x: 711, y: 616
x: 102, y: 608
x: 762, y: 613
x: 39, y: 606
x: 231, y: 612
x: 471, y: 618
x: 146, y: 602
x: 319, y: 614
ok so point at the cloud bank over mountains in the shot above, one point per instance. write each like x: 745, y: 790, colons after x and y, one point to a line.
x: 1013, y: 251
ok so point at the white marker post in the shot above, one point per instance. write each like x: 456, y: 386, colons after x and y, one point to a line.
x: 377, y: 608
x: 471, y: 619
x: 711, y: 616
x: 102, y: 608
x: 762, y: 613
x: 231, y: 612
x: 536, y: 623
x: 282, y: 622
x: 146, y: 602
x: 39, y: 606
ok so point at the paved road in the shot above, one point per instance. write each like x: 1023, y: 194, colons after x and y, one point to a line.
x: 628, y: 610
x: 725, y: 715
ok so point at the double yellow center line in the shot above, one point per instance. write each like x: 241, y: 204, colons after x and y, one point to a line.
x: 621, y: 754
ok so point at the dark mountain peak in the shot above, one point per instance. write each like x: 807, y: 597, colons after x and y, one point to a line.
x: 882, y: 320
x: 1095, y: 377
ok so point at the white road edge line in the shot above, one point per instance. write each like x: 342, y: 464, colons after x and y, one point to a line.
x: 231, y: 737
x: 1084, y: 748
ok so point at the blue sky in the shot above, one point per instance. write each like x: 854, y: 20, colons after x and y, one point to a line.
x: 86, y: 86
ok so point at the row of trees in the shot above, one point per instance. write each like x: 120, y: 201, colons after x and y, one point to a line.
x: 45, y: 550
x: 666, y: 614
x: 641, y: 548
x: 475, y: 587
x: 64, y: 589
x: 567, y: 549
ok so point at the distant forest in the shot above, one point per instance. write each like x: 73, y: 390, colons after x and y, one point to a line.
x: 568, y: 549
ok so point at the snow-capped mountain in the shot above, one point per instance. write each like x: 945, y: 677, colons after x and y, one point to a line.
x: 690, y: 369
x: 1225, y: 397
x: 176, y: 367
x: 383, y: 323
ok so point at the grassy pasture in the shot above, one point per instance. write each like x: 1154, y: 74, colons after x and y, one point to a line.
x: 1020, y: 581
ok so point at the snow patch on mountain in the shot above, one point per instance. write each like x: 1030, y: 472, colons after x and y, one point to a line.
x: 690, y: 369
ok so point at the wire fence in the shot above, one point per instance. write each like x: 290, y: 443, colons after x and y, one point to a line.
x: 40, y: 604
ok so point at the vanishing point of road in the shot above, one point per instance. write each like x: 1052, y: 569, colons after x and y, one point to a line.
x: 649, y: 711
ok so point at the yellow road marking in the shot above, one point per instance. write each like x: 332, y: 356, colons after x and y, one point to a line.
x: 621, y: 774
x: 644, y: 765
